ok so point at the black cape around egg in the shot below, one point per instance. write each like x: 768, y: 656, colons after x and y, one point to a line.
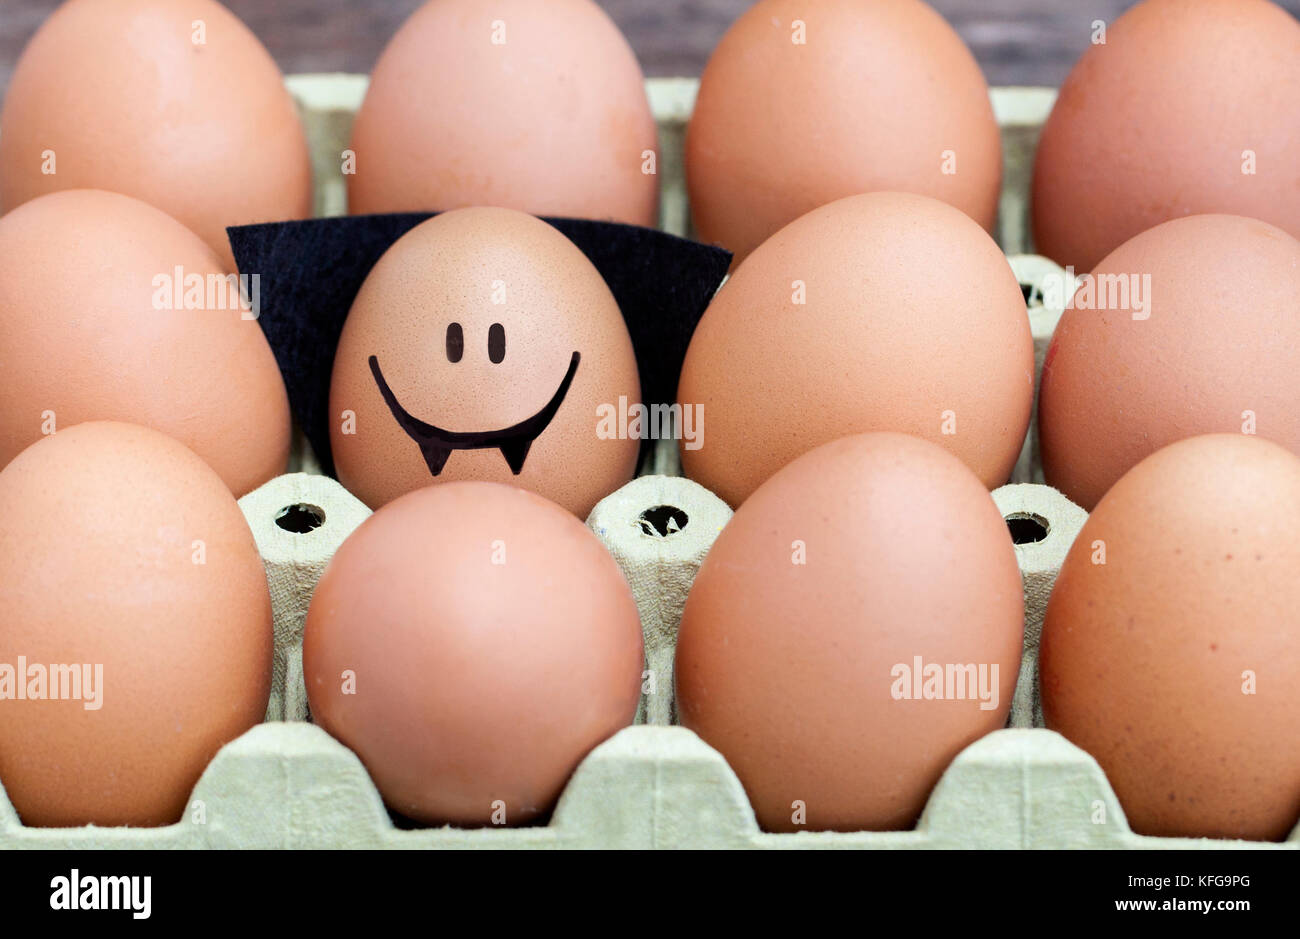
x: 309, y: 273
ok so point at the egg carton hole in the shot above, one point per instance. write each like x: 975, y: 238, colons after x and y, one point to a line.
x: 1028, y: 528
x: 663, y: 520
x: 301, y: 518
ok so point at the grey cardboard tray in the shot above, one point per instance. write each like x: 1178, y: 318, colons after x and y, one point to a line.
x: 287, y: 784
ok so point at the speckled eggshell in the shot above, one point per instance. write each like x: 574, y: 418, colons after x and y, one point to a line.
x: 89, y: 332
x: 123, y: 96
x: 805, y: 103
x: 1215, y: 347
x: 453, y: 269
x: 844, y: 567
x: 885, y: 311
x: 1188, y: 107
x: 472, y: 643
x: 533, y: 106
x: 121, y: 549
x: 1176, y: 662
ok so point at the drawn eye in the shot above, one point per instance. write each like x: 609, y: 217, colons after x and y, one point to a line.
x: 497, y: 343
x: 455, y: 342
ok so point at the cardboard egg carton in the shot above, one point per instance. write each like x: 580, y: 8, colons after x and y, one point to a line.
x: 288, y: 784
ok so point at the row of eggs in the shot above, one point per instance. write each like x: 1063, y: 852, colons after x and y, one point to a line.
x: 485, y: 345
x: 858, y: 622
x: 1179, y: 107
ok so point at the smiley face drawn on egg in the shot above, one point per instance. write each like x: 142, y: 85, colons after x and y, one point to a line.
x: 514, y: 441
x: 597, y: 315
x: 480, y: 347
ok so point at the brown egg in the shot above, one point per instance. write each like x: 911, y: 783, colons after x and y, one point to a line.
x: 135, y: 639
x: 1187, y: 108
x: 111, y: 310
x: 1189, y: 328
x: 480, y: 347
x: 810, y: 638
x: 172, y: 101
x: 885, y: 311
x: 531, y: 106
x: 802, y: 104
x: 1171, y: 646
x: 472, y: 643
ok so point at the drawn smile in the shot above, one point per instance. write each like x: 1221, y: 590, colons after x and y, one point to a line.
x: 436, y: 444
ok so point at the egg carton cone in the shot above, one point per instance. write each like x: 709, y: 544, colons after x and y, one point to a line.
x: 287, y: 784
x: 1043, y: 525
x: 282, y: 513
x: 1047, y: 288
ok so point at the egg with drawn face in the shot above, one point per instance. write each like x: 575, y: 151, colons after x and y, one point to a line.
x: 483, y: 346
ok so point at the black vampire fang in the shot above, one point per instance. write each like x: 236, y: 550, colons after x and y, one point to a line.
x: 436, y: 444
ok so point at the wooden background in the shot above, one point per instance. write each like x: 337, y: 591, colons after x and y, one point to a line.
x: 1018, y: 42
